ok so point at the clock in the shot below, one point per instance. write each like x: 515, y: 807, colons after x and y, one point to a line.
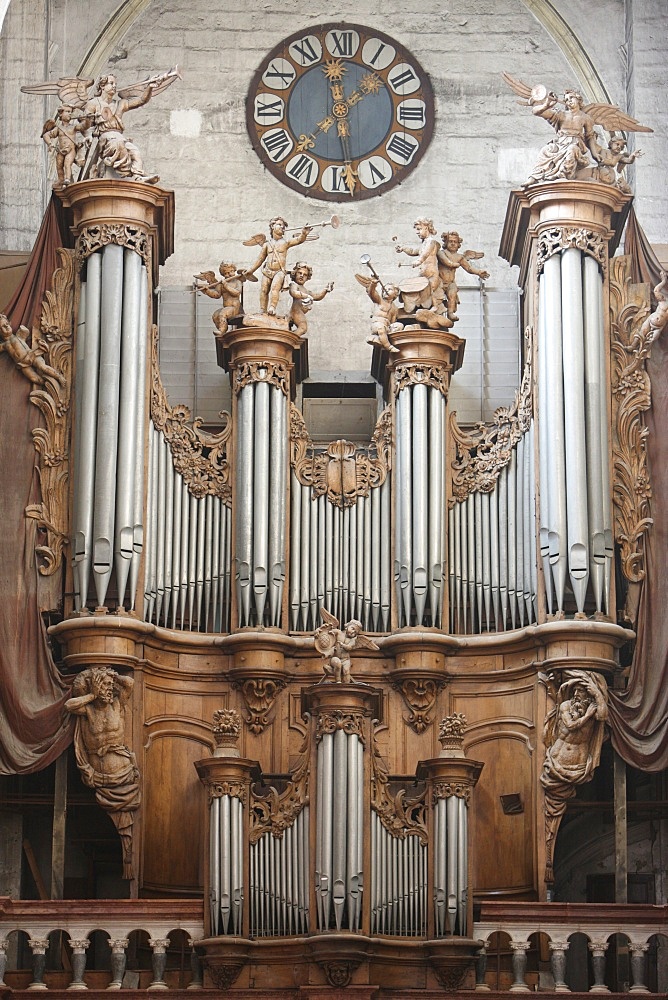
x: 340, y: 111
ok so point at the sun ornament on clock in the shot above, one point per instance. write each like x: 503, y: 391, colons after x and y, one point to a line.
x: 340, y: 112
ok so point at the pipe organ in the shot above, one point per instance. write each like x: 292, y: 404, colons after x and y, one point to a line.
x: 335, y: 833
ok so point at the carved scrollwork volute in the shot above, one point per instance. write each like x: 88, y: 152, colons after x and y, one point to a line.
x: 273, y: 372
x: 200, y: 457
x: 235, y: 790
x: 482, y: 452
x: 560, y: 238
x: 412, y: 373
x: 259, y: 695
x: 92, y: 238
x: 52, y: 345
x: 400, y: 813
x: 343, y: 472
x: 419, y: 694
x: 352, y: 723
x: 631, y: 393
x: 274, y: 812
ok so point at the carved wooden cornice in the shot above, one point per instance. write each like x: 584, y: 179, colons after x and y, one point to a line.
x: 559, y: 238
x: 631, y: 392
x: 419, y: 694
x: 200, y: 457
x: 235, y: 789
x: 400, y: 814
x: 273, y: 372
x: 259, y: 694
x: 446, y: 789
x: 132, y: 236
x: 415, y: 373
x: 342, y: 471
x: 482, y: 452
x: 53, y: 341
x: 276, y: 812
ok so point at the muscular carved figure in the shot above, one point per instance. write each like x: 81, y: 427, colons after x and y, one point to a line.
x: 105, y: 762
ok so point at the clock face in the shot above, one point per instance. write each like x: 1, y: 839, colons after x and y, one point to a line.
x: 340, y: 111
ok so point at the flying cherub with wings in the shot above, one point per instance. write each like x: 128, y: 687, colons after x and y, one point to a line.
x: 101, y: 117
x: 567, y: 155
x: 335, y: 646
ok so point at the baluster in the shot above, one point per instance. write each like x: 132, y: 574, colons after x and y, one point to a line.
x: 598, y: 950
x: 519, y: 949
x: 638, y: 967
x: 118, y: 962
x: 3, y: 961
x: 79, y: 947
x: 159, y: 962
x: 38, y: 947
x: 558, y: 951
x: 480, y: 970
x: 196, y: 981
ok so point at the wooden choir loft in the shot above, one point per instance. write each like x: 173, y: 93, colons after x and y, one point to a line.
x: 293, y: 720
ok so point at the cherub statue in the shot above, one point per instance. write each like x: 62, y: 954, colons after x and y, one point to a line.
x: 427, y: 260
x: 274, y: 256
x: 105, y: 763
x: 335, y: 646
x: 29, y: 360
x: 657, y: 321
x: 449, y: 259
x: 569, y: 152
x: 63, y: 137
x: 229, y: 288
x: 102, y: 115
x: 302, y: 298
x: 612, y: 161
x: 384, y: 319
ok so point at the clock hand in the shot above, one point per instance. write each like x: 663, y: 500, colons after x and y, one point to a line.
x: 308, y: 141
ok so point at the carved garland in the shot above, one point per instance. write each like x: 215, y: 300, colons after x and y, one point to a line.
x: 342, y: 472
x: 92, y: 238
x: 272, y: 372
x: 419, y: 694
x: 560, y: 238
x: 433, y: 376
x: 400, y: 815
x: 482, y: 452
x: 259, y: 695
x: 53, y: 342
x: 631, y: 392
x: 200, y: 457
x: 277, y: 811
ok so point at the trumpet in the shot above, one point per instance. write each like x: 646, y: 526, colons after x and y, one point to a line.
x: 334, y: 222
x: 366, y: 260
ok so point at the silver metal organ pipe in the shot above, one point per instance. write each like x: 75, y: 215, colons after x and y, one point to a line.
x: 214, y: 865
x: 324, y: 820
x: 345, y: 562
x: 552, y: 410
x: 518, y: 453
x: 184, y: 544
x: 152, y: 542
x: 139, y: 457
x: 176, y: 545
x: 436, y: 503
x: 260, y: 504
x: 596, y: 430
x: 295, y: 548
x: 452, y: 567
x: 336, y: 561
x: 128, y: 431
x: 486, y: 556
x: 369, y: 558
x: 244, y: 501
x: 352, y: 825
x: 533, y: 532
x: 462, y: 865
x: 543, y: 445
x: 305, y: 560
x: 419, y: 499
x: 404, y: 484
x: 86, y: 428
x: 452, y: 839
x: 494, y: 555
x: 159, y: 542
x: 329, y: 555
x: 200, y: 503
x: 464, y: 548
x: 107, y: 417
x: 225, y: 863
x: 440, y: 867
x: 511, y: 482
x: 208, y: 561
x: 574, y: 416
x: 169, y: 534
x: 502, y: 487
x: 192, y: 556
x: 385, y: 553
x: 339, y: 805
x: 479, y: 582
x: 529, y: 530
x: 314, y: 511
x: 322, y: 551
x: 471, y: 557
x: 277, y: 502
x: 80, y: 354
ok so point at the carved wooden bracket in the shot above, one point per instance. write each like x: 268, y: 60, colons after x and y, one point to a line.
x: 52, y: 379
x: 342, y: 471
x: 400, y: 814
x: 415, y: 373
x: 560, y: 238
x: 419, y: 694
x: 259, y: 694
x: 92, y: 238
x: 235, y: 789
x: 201, y: 458
x: 631, y: 393
x: 275, y: 812
x: 482, y: 452
x: 273, y: 372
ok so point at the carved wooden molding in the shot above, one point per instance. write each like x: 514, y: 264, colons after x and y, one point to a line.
x: 200, y: 457
x: 259, y: 695
x: 342, y: 471
x: 446, y: 789
x: 53, y: 342
x: 273, y: 372
x: 434, y: 376
x: 352, y: 723
x: 482, y: 452
x: 560, y: 238
x: 92, y: 238
x: 631, y: 392
x: 276, y: 812
x: 419, y: 694
x: 235, y: 789
x: 400, y: 814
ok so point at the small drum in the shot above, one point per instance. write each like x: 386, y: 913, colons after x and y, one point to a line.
x: 413, y: 286
x: 415, y: 292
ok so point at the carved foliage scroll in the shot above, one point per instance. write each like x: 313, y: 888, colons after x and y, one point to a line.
x: 419, y: 694
x: 342, y: 471
x: 259, y: 694
x: 272, y: 372
x: 560, y: 238
x: 92, y: 238
x: 200, y: 457
x: 482, y: 452
x: 631, y: 391
x: 276, y: 811
x: 53, y: 342
x: 400, y: 813
x: 433, y: 376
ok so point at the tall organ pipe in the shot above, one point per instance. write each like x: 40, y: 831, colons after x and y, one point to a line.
x: 138, y: 503
x: 277, y: 503
x: 596, y: 428
x: 552, y: 409
x: 244, y: 501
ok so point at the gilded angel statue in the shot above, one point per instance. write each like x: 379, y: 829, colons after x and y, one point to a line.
x: 336, y: 645
x: 570, y: 153
x: 101, y: 117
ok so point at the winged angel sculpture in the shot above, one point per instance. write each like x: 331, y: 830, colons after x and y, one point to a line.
x: 335, y: 646
x: 570, y: 153
x: 88, y: 130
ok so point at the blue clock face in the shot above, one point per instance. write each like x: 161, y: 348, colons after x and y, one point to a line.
x: 340, y: 112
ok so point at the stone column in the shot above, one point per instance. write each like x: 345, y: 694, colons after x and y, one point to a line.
x: 196, y: 981
x: 3, y: 961
x: 638, y: 967
x: 598, y: 950
x: 118, y: 962
x: 558, y: 951
x: 159, y: 962
x: 480, y: 970
x: 79, y: 947
x: 38, y: 946
x: 519, y: 950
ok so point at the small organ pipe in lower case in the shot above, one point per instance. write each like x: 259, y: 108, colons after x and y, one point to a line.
x: 398, y: 882
x: 339, y: 831
x: 226, y: 891
x: 279, y: 881
x: 188, y: 559
x: 450, y: 866
x: 493, y: 550
x: 340, y: 559
x: 261, y: 503
x: 419, y: 505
